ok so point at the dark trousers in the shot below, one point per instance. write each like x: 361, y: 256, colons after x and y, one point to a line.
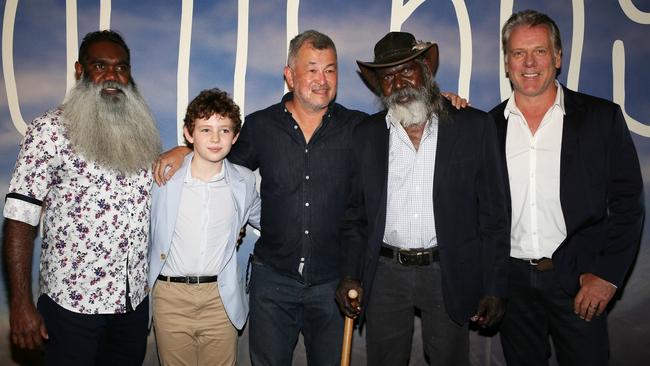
x: 280, y: 308
x: 397, y: 291
x: 94, y: 339
x: 537, y: 308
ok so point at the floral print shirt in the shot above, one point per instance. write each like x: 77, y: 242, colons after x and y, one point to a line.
x: 95, y: 221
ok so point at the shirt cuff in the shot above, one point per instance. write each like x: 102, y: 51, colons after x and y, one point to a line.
x: 19, y: 210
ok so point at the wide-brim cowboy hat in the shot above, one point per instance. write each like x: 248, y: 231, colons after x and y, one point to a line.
x: 396, y: 48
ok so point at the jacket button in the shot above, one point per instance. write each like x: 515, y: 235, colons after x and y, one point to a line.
x: 162, y: 256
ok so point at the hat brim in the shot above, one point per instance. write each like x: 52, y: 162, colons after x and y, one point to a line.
x: 368, y: 69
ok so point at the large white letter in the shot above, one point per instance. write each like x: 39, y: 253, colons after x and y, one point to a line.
x: 634, y: 13
x: 183, y: 77
x: 8, y: 65
x: 399, y: 12
x: 465, y: 31
x: 104, y: 14
x: 292, y: 25
x: 504, y: 82
x: 239, y: 83
x: 72, y: 42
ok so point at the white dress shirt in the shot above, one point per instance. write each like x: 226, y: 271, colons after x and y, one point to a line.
x: 409, y: 212
x: 538, y: 226
x: 202, y: 228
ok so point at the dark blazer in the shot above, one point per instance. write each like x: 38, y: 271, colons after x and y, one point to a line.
x: 469, y: 202
x: 601, y: 191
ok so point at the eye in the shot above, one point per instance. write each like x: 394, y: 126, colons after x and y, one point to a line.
x: 407, y: 71
x: 98, y: 67
x: 541, y: 51
x: 225, y: 130
x: 122, y: 68
x: 516, y: 54
x: 204, y: 130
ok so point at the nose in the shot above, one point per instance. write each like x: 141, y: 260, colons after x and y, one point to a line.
x: 110, y: 74
x: 398, y: 83
x: 321, y: 78
x: 529, y: 60
x: 215, y: 136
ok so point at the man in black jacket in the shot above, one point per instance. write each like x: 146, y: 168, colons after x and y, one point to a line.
x: 576, y: 203
x: 426, y: 221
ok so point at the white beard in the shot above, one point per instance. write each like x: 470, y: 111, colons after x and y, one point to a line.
x: 117, y: 131
x: 409, y: 114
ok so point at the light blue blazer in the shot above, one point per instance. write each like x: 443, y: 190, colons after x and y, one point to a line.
x: 164, y: 210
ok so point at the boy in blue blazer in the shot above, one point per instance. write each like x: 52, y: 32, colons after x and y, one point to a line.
x: 198, y: 295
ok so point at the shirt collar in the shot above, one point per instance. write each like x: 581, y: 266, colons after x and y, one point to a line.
x: 431, y: 122
x: 511, y: 107
x: 221, y: 176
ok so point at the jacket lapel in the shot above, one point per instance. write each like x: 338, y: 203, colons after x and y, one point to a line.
x: 174, y: 189
x: 570, y: 133
x: 447, y: 136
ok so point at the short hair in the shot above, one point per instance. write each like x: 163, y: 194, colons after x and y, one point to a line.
x: 102, y: 36
x: 208, y: 103
x: 531, y: 18
x: 317, y: 39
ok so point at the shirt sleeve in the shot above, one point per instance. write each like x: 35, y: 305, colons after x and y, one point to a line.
x: 35, y: 172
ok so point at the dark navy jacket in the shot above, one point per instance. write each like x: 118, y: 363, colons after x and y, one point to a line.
x: 601, y: 191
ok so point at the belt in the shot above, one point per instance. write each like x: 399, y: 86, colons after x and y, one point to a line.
x: 189, y: 280
x: 542, y: 264
x: 410, y: 257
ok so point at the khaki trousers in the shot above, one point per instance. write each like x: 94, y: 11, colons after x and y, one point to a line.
x: 191, y: 325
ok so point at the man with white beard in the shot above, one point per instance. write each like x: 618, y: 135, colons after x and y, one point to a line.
x: 86, y: 167
x: 426, y: 225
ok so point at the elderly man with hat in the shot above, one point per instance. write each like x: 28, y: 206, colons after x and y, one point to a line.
x: 426, y: 225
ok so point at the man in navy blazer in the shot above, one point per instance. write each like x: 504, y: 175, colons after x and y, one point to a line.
x: 576, y: 203
x: 426, y: 222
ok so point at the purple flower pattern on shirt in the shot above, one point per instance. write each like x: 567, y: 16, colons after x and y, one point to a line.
x: 95, y: 222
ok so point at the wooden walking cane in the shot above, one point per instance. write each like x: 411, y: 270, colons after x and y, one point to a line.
x: 347, y: 333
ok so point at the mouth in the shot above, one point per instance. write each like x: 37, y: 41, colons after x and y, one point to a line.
x: 403, y: 99
x: 321, y: 91
x: 530, y: 75
x: 110, y: 91
x: 214, y: 149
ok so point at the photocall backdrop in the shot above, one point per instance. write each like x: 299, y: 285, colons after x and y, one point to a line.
x: 179, y: 48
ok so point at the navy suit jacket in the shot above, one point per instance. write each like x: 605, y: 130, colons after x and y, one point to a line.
x: 601, y: 191
x: 469, y: 202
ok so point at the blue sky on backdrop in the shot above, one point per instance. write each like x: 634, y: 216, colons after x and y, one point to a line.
x: 151, y: 28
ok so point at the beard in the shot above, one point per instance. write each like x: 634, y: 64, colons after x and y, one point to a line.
x: 423, y: 102
x: 116, y: 131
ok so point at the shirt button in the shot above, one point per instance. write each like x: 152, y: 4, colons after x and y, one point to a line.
x: 306, y: 151
x: 532, y: 147
x: 307, y: 177
x: 306, y: 204
x: 306, y: 232
x: 295, y: 127
x: 163, y: 256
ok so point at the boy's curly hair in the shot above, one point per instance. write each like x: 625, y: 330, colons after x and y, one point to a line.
x: 210, y: 102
